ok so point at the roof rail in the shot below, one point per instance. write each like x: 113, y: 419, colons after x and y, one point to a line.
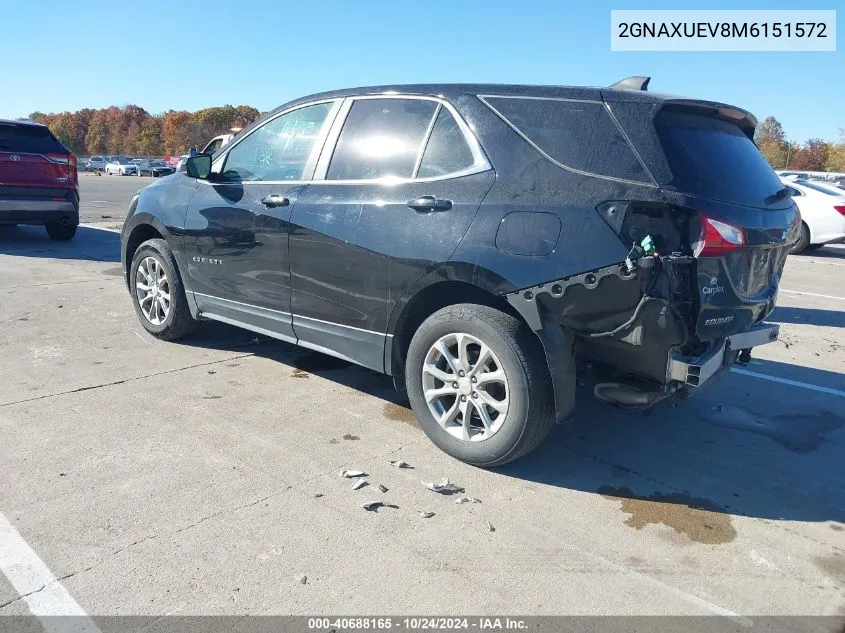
x: 632, y: 83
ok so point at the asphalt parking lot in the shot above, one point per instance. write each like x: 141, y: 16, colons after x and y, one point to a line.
x: 201, y: 477
x: 104, y: 200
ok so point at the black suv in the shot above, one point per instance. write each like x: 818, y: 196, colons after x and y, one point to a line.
x: 482, y: 244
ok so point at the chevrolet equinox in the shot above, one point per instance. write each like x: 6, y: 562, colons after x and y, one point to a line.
x: 483, y: 244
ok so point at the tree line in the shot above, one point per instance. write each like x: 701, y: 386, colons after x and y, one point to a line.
x: 813, y: 155
x: 132, y: 131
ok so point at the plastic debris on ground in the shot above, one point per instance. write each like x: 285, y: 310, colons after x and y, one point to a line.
x: 490, y: 527
x: 398, y: 463
x: 302, y: 578
x: 467, y: 500
x: 443, y: 487
x: 359, y: 484
x: 349, y: 474
x: 372, y: 505
x: 426, y: 515
x: 382, y: 487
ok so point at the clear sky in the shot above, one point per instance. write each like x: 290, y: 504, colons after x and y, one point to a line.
x: 186, y: 54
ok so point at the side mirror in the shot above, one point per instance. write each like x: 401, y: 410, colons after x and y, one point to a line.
x: 198, y: 166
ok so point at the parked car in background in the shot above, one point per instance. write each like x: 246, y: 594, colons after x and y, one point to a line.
x: 39, y: 179
x: 217, y: 142
x: 155, y: 168
x: 97, y: 163
x: 121, y: 166
x: 822, y: 210
x: 180, y: 166
x: 471, y: 242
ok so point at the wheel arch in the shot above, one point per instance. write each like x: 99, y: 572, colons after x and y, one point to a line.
x: 473, y: 285
x: 443, y: 287
x: 142, y: 227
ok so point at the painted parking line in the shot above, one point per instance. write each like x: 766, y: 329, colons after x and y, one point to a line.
x: 45, y: 596
x: 787, y: 381
x: 810, y: 294
x: 100, y: 228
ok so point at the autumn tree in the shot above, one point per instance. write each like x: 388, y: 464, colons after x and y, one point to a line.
x: 812, y: 156
x: 836, y: 154
x: 179, y: 132
x: 771, y: 139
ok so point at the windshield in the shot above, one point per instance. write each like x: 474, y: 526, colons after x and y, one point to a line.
x: 713, y: 158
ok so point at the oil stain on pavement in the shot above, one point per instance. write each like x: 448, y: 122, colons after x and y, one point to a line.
x: 398, y: 413
x: 797, y: 432
x: 833, y: 566
x: 698, y: 519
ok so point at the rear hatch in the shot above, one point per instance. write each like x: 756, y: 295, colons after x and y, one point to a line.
x: 742, y: 220
x: 34, y: 164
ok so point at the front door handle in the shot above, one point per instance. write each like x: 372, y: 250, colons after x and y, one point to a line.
x: 429, y: 203
x: 274, y: 200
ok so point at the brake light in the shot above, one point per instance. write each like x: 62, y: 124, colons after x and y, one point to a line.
x: 718, y: 238
x: 839, y: 208
x: 60, y: 159
x: 68, y: 161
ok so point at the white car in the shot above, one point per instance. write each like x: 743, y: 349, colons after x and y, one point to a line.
x: 822, y: 214
x: 216, y: 143
x: 121, y: 167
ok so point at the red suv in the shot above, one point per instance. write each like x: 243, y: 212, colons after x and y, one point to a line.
x: 39, y: 182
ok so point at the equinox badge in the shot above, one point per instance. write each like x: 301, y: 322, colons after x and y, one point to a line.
x: 207, y: 260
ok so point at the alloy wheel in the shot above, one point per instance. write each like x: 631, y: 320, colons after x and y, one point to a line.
x: 465, y: 387
x: 152, y: 290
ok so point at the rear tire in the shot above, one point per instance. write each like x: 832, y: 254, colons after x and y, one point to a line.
x: 514, y: 351
x: 60, y: 232
x: 168, y: 320
x: 803, y: 240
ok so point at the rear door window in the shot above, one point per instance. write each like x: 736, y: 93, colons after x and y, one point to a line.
x: 713, y: 158
x: 380, y: 138
x: 579, y: 135
x: 447, y: 151
x: 28, y: 139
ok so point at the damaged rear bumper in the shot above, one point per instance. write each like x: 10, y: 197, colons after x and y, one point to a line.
x: 579, y: 316
x: 694, y: 372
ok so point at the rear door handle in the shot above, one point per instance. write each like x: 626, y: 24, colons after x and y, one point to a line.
x: 274, y: 200
x: 429, y: 203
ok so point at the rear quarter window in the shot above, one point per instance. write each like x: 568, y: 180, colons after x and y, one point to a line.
x: 28, y: 139
x: 578, y: 135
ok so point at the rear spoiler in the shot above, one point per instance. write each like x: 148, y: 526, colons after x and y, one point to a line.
x: 635, y: 89
x: 743, y: 119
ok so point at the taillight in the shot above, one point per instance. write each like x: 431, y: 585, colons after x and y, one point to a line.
x: 718, y: 238
x: 68, y: 161
x: 839, y: 208
x: 60, y: 159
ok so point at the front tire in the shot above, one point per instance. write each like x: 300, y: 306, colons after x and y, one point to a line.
x: 157, y: 292
x: 469, y: 372
x: 60, y: 232
x: 803, y: 240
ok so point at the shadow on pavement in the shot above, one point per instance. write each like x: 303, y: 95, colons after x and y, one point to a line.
x: 835, y: 251
x: 88, y: 244
x: 808, y: 316
x: 744, y: 446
